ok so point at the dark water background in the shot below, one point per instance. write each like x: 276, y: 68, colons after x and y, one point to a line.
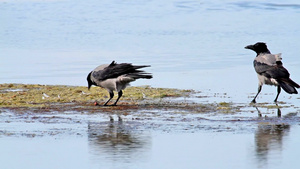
x: 189, y: 44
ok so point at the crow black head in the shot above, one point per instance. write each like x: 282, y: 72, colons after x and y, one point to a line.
x: 259, y: 47
x: 88, y: 78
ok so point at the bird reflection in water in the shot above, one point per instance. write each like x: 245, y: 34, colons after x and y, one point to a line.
x: 278, y: 111
x: 117, y: 140
x: 269, y: 137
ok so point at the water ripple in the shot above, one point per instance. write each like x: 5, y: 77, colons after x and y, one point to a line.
x: 266, y: 6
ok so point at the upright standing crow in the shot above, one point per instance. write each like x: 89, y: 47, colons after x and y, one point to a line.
x: 270, y: 71
x: 116, y: 77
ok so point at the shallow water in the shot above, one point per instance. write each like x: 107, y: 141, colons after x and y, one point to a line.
x: 150, y: 139
x: 189, y: 44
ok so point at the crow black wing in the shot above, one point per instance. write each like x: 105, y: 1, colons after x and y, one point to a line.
x: 279, y: 72
x: 276, y: 72
x: 115, y: 70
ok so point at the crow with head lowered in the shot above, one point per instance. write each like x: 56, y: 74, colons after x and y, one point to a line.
x: 116, y: 77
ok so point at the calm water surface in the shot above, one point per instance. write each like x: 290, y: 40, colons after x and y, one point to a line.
x: 189, y: 44
x: 80, y: 140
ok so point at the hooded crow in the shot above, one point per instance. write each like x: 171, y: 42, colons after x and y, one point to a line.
x: 116, y: 77
x: 270, y: 70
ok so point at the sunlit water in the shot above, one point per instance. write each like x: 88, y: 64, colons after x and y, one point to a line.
x: 189, y: 44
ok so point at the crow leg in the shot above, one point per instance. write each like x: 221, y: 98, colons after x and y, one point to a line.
x: 259, y: 89
x: 278, y: 92
x: 120, y: 93
x: 259, y: 113
x: 111, y: 95
x: 278, y: 111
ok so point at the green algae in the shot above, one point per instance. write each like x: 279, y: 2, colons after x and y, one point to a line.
x: 227, y: 108
x: 44, y: 98
x: 36, y: 95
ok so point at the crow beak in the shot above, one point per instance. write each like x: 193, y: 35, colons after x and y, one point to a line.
x: 89, y: 86
x: 250, y: 47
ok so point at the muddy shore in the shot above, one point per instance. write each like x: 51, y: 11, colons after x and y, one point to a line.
x: 46, y: 98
